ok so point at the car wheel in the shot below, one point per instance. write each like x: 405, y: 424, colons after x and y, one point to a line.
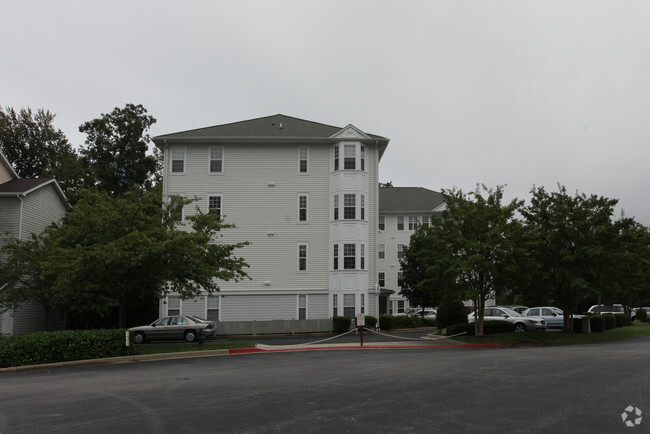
x: 139, y: 338
x: 190, y: 335
x: 519, y: 327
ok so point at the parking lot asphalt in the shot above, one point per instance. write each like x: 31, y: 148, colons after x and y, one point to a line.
x: 372, y: 341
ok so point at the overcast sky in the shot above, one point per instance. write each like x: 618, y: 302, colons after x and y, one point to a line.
x: 516, y: 93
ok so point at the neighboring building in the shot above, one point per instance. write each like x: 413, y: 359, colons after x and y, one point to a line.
x: 304, y: 194
x: 27, y: 206
x: 401, y: 211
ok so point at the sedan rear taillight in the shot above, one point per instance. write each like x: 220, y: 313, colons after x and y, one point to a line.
x: 209, y: 326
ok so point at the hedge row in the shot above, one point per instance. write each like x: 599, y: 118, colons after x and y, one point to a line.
x: 389, y: 322
x: 62, y: 346
x: 489, y: 327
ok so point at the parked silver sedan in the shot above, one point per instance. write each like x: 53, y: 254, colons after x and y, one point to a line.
x: 553, y: 316
x: 174, y: 327
x: 521, y: 323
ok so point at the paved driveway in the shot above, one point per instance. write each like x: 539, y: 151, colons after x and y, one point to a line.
x: 529, y: 390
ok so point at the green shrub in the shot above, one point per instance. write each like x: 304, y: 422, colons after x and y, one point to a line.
x: 455, y: 329
x: 341, y: 324
x: 498, y: 326
x: 62, y: 346
x: 641, y: 315
x: 609, y: 321
x: 428, y: 322
x: 371, y: 321
x: 621, y: 320
x: 451, y: 311
x: 386, y: 322
x: 406, y: 322
x: 597, y: 323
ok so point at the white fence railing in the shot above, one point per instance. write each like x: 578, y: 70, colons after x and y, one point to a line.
x: 277, y: 326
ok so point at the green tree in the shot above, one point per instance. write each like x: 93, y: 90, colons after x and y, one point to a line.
x: 569, y: 245
x: 630, y: 268
x: 36, y: 149
x: 116, y: 150
x: 468, y: 254
x: 113, y: 251
x: 23, y: 278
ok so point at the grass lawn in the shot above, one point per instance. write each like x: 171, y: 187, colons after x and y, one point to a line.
x: 148, y: 348
x: 557, y: 338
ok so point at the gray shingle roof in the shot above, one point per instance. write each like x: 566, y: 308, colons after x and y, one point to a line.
x: 23, y: 185
x: 276, y: 126
x: 408, y: 199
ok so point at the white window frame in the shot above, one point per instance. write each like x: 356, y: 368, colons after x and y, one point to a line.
x: 381, y: 224
x: 306, y: 208
x: 400, y: 222
x: 302, y: 303
x: 335, y: 257
x: 400, y: 250
x: 413, y: 223
x: 381, y: 275
x: 400, y: 276
x: 176, y: 299
x: 349, y: 206
x: 349, y: 302
x: 305, y: 159
x: 182, y: 196
x: 381, y: 251
x: 210, y: 160
x: 335, y: 304
x: 337, y: 211
x: 337, y: 159
x: 349, y: 157
x: 173, y: 158
x: 425, y: 221
x: 362, y: 152
x: 208, y: 308
x: 346, y: 249
x: 220, y: 196
x: 362, y: 206
x: 304, y: 258
x: 362, y: 256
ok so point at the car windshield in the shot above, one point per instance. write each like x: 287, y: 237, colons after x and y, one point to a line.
x: 510, y: 311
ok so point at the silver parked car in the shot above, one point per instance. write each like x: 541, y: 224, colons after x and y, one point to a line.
x: 522, y: 323
x: 174, y: 327
x: 553, y: 316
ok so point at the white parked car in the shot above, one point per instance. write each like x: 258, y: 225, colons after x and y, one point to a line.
x: 428, y: 313
x: 553, y: 316
x: 522, y: 323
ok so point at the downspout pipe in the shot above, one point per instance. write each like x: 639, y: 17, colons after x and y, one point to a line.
x: 20, y: 216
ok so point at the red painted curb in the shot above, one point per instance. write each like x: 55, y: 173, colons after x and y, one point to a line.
x: 365, y: 347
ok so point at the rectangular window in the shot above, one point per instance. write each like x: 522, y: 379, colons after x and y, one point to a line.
x: 362, y: 257
x: 176, y: 208
x: 381, y: 251
x: 400, y: 222
x: 302, y: 257
x: 178, y: 159
x: 213, y: 308
x: 363, y: 158
x: 214, y: 204
x: 400, y: 251
x: 413, y: 223
x: 173, y: 305
x: 382, y: 222
x: 216, y: 159
x: 336, y: 256
x: 381, y: 279
x: 336, y: 158
x: 348, y: 305
x: 350, y: 157
x: 336, y: 207
x: 303, y: 153
x: 363, y: 303
x: 425, y: 221
x: 363, y: 207
x: 349, y: 256
x: 335, y: 305
x: 302, y: 207
x: 349, y: 206
x: 302, y: 306
x: 400, y: 276
x: 400, y: 306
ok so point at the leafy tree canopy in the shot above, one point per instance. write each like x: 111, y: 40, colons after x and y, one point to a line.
x: 36, y: 149
x: 570, y: 244
x: 115, y: 151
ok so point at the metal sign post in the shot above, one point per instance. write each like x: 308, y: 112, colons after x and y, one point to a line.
x: 361, y: 323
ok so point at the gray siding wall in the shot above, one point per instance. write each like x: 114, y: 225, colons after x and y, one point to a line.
x: 9, y: 216
x: 40, y: 209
